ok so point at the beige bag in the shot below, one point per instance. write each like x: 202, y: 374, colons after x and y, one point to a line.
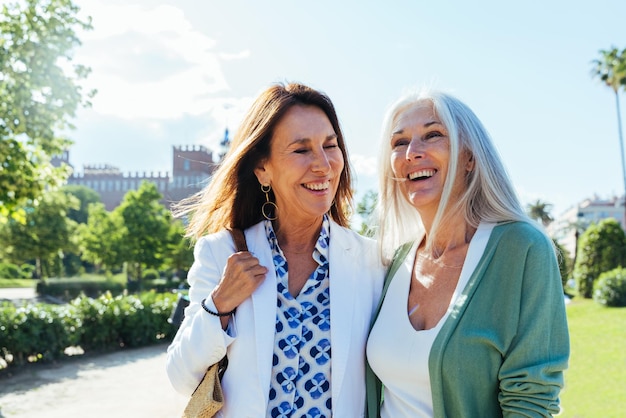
x: 208, y: 397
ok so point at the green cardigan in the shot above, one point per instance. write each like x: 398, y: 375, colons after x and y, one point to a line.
x: 504, y: 347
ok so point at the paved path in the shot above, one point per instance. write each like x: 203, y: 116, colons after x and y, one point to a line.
x: 18, y: 293
x: 128, y: 383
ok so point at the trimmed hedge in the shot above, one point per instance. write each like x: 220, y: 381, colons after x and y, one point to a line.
x: 150, y: 274
x: 71, y: 288
x: 42, y: 332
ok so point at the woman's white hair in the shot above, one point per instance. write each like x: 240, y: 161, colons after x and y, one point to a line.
x: 489, y: 194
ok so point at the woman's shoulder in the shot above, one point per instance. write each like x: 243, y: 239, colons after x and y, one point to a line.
x: 520, y: 233
x: 224, y: 235
x: 212, y: 238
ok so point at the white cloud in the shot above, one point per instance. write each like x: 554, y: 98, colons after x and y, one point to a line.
x: 364, y: 165
x: 150, y: 62
x: 234, y: 56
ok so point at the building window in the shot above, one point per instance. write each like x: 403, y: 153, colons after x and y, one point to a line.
x: 186, y: 165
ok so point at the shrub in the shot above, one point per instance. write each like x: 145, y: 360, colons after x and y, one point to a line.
x: 146, y: 322
x: 36, y: 332
x: 564, y: 260
x: 150, y: 274
x: 9, y: 271
x: 124, y: 321
x: 602, y: 247
x: 99, y: 322
x: 610, y: 288
x: 28, y: 270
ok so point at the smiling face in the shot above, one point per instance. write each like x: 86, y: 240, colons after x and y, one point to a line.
x: 420, y: 155
x: 304, y: 165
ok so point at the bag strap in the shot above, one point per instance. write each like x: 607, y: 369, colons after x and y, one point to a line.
x: 373, y: 385
x: 239, y: 238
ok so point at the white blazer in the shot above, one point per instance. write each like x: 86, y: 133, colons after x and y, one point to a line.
x: 356, y: 277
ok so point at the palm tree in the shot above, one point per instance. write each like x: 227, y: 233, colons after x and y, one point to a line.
x: 610, y: 68
x: 540, y: 211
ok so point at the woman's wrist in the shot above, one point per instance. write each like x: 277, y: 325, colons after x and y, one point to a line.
x: 215, y: 312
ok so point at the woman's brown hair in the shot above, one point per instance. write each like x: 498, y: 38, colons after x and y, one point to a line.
x: 233, y: 198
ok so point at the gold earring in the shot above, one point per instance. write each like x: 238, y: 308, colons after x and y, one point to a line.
x: 273, y: 207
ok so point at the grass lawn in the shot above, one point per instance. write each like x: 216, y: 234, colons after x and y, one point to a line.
x: 10, y: 283
x: 595, y: 383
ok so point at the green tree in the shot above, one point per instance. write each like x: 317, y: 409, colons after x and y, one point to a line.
x: 365, y: 209
x: 179, y: 252
x: 73, y: 263
x: 86, y: 196
x: 540, y: 211
x: 610, y: 68
x: 39, y: 93
x: 45, y: 236
x: 147, y: 225
x: 602, y: 247
x: 102, y: 238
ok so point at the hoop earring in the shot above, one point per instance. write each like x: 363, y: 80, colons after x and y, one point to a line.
x: 264, y: 208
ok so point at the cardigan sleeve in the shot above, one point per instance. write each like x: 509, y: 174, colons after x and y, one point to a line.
x: 531, y: 374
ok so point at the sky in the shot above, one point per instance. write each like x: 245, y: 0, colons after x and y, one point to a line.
x: 179, y: 72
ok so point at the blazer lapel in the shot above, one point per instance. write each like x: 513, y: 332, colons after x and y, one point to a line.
x: 342, y: 296
x: 263, y: 303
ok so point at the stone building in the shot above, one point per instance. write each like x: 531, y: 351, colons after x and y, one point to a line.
x: 192, y: 167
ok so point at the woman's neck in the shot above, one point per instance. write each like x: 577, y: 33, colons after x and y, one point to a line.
x: 297, y: 237
x: 451, y: 234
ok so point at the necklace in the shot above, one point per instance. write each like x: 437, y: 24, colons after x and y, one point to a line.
x: 425, y: 258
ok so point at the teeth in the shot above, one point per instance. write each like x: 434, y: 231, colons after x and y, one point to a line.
x: 317, y: 186
x: 421, y: 173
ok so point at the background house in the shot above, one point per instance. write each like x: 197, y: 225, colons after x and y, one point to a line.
x: 571, y: 223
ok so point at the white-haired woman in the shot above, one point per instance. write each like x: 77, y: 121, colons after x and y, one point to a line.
x: 473, y: 320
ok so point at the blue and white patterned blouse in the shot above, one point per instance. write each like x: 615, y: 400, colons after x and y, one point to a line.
x: 300, y: 385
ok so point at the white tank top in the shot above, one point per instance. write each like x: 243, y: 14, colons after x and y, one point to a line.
x: 397, y: 353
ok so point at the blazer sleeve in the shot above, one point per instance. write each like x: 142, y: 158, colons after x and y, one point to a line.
x: 200, y: 340
x: 531, y: 375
